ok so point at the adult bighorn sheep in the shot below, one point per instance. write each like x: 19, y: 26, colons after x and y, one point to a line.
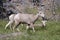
x: 29, y: 19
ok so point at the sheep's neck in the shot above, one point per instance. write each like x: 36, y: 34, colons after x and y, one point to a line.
x: 36, y: 17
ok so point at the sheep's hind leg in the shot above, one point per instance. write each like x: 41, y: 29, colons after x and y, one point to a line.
x: 9, y: 23
x: 16, y: 23
x: 18, y: 29
x: 11, y: 26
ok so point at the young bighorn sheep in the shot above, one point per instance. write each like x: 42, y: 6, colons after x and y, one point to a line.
x: 29, y: 19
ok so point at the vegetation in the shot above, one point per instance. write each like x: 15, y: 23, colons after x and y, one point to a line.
x: 30, y: 10
x: 58, y: 10
x: 50, y: 32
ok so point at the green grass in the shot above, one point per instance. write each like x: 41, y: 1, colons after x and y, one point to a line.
x: 2, y: 25
x: 50, y: 32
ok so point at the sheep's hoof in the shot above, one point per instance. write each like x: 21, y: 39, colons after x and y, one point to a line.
x: 5, y: 28
x: 33, y: 30
x: 18, y: 30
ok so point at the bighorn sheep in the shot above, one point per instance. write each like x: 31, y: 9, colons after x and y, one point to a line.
x: 29, y: 19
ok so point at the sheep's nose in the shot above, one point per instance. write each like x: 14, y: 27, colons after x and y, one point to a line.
x: 44, y: 18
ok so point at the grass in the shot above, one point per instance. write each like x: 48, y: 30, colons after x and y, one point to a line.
x: 2, y: 25
x: 50, y: 32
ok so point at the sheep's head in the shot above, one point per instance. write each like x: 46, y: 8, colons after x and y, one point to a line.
x: 44, y: 23
x: 41, y: 14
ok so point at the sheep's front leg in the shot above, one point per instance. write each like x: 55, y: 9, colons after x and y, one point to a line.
x: 9, y: 23
x: 27, y: 27
x: 32, y: 26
